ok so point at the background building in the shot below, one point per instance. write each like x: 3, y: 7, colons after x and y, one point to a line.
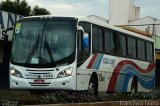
x: 122, y: 11
x: 6, y: 20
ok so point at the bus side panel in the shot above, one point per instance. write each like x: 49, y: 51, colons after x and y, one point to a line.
x: 103, y: 78
x: 83, y: 78
x: 126, y: 69
x: 115, y: 74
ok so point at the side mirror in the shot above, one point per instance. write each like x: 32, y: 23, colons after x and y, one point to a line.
x: 85, y: 37
x: 85, y: 40
x: 80, y: 28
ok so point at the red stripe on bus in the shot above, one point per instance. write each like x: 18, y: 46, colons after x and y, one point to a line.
x: 92, y: 61
x: 118, y: 68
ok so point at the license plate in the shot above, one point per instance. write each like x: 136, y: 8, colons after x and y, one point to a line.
x: 39, y: 81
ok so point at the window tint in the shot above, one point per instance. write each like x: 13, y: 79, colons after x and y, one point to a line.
x: 134, y: 48
x: 149, y: 50
x: 113, y: 43
x: 118, y: 44
x: 80, y: 49
x: 107, y: 39
x: 123, y: 45
x: 131, y: 47
x: 141, y: 49
x: 86, y: 27
x: 110, y: 42
x: 97, y: 39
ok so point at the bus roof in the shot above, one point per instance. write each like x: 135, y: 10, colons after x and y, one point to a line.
x: 96, y: 22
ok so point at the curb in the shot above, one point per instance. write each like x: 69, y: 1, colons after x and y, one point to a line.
x: 110, y: 103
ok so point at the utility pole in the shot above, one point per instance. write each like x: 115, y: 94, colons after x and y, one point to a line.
x: 154, y: 27
x: 154, y: 31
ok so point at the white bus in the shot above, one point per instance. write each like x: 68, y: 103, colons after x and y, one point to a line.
x: 79, y: 53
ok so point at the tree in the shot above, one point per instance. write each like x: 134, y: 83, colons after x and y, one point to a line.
x: 16, y: 6
x: 21, y: 7
x: 7, y: 6
x: 39, y: 11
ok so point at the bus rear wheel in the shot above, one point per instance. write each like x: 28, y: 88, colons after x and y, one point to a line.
x: 134, y: 86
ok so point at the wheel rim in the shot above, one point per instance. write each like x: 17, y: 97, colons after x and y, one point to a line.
x: 133, y: 90
x: 91, y: 88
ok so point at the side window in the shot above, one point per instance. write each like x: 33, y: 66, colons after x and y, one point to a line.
x: 119, y: 44
x: 152, y: 52
x: 114, y: 43
x: 86, y: 26
x: 107, y: 41
x: 141, y: 49
x: 149, y: 51
x: 131, y: 47
x: 80, y: 49
x: 123, y: 45
x: 97, y: 39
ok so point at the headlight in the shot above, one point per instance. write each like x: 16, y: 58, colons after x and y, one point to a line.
x: 65, y: 73
x: 15, y: 73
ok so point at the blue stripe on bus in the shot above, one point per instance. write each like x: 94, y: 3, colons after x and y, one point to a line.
x: 146, y: 81
x: 98, y: 61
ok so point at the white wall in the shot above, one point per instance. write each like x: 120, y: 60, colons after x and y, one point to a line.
x: 131, y: 5
x: 118, y: 12
x: 135, y: 13
x: 122, y: 11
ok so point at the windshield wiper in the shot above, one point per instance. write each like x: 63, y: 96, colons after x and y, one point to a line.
x: 34, y: 48
x: 46, y: 45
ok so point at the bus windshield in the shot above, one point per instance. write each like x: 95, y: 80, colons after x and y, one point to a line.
x: 44, y: 42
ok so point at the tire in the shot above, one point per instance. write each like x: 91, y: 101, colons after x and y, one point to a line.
x: 93, y: 86
x: 134, y: 86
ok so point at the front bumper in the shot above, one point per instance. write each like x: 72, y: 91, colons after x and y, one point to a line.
x: 66, y: 83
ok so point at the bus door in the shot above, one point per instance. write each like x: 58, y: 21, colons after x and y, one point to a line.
x: 83, y: 53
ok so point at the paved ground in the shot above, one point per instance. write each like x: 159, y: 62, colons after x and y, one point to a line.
x: 26, y: 97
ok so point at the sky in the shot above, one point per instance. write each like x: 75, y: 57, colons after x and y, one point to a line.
x: 93, y: 7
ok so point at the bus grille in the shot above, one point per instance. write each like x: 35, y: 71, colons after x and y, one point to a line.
x: 42, y: 84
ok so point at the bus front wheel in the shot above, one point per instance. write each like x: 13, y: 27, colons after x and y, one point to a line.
x: 93, y: 86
